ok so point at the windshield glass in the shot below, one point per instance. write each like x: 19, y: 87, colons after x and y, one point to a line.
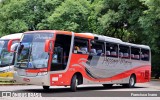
x: 2, y: 42
x: 31, y: 51
x: 6, y: 57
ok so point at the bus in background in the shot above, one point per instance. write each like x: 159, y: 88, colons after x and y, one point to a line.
x: 7, y: 58
x: 62, y: 58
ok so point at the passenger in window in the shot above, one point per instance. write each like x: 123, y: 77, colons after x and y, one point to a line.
x: 76, y: 49
x: 84, y: 50
x: 99, y: 53
x: 93, y: 52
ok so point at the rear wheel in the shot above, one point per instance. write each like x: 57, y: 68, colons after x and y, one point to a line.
x: 107, y: 85
x: 132, y: 82
x: 46, y: 87
x: 74, y: 83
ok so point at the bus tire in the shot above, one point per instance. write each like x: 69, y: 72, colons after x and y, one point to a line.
x: 132, y: 82
x: 107, y: 85
x: 74, y: 83
x: 46, y: 87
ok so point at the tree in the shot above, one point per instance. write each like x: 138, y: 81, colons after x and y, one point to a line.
x: 150, y: 22
x: 10, y: 13
x: 23, y: 15
x: 72, y: 15
x: 119, y: 18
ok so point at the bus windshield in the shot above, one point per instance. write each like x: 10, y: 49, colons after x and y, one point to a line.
x: 30, y: 52
x: 5, y: 56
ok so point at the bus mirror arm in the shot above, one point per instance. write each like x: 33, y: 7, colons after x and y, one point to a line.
x: 49, y: 44
x: 20, y: 48
x: 10, y: 43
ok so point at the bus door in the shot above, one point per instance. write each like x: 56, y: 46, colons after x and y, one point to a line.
x: 61, y: 52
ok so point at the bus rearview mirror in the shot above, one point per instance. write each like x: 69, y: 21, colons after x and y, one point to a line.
x: 12, y: 45
x: 49, y: 46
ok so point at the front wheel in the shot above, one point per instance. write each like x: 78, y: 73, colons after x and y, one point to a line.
x: 74, y: 83
x: 46, y: 87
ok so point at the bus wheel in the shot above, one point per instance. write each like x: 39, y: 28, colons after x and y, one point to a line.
x: 132, y: 82
x: 46, y: 87
x: 74, y: 83
x: 107, y: 85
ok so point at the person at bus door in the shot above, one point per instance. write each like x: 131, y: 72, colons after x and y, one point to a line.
x: 65, y: 57
x: 55, y: 58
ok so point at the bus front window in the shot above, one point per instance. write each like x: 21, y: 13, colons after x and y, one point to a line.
x: 32, y: 53
x: 39, y: 58
x: 5, y: 56
x: 1, y: 45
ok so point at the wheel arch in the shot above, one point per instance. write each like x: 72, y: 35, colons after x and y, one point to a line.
x: 79, y: 76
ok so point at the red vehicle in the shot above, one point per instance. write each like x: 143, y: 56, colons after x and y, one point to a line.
x: 61, y: 58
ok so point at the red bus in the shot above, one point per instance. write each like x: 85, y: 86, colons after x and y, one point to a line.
x: 61, y: 58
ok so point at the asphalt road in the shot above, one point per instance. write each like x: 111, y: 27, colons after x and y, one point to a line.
x: 152, y: 89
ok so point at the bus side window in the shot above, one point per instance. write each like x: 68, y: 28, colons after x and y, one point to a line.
x: 111, y: 50
x: 80, y: 46
x: 135, y: 53
x: 97, y: 48
x: 124, y: 51
x: 144, y: 54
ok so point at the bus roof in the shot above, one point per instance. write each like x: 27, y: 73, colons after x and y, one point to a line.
x: 115, y: 40
x: 12, y: 36
x: 92, y: 36
x: 62, y: 32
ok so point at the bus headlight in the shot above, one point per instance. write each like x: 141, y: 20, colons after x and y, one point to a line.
x: 42, y: 73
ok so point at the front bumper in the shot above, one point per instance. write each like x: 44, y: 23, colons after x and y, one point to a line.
x: 36, y: 80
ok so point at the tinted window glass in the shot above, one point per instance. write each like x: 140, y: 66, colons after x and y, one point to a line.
x: 135, y: 53
x: 124, y: 51
x: 97, y: 48
x: 80, y: 46
x: 111, y: 50
x: 144, y: 55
